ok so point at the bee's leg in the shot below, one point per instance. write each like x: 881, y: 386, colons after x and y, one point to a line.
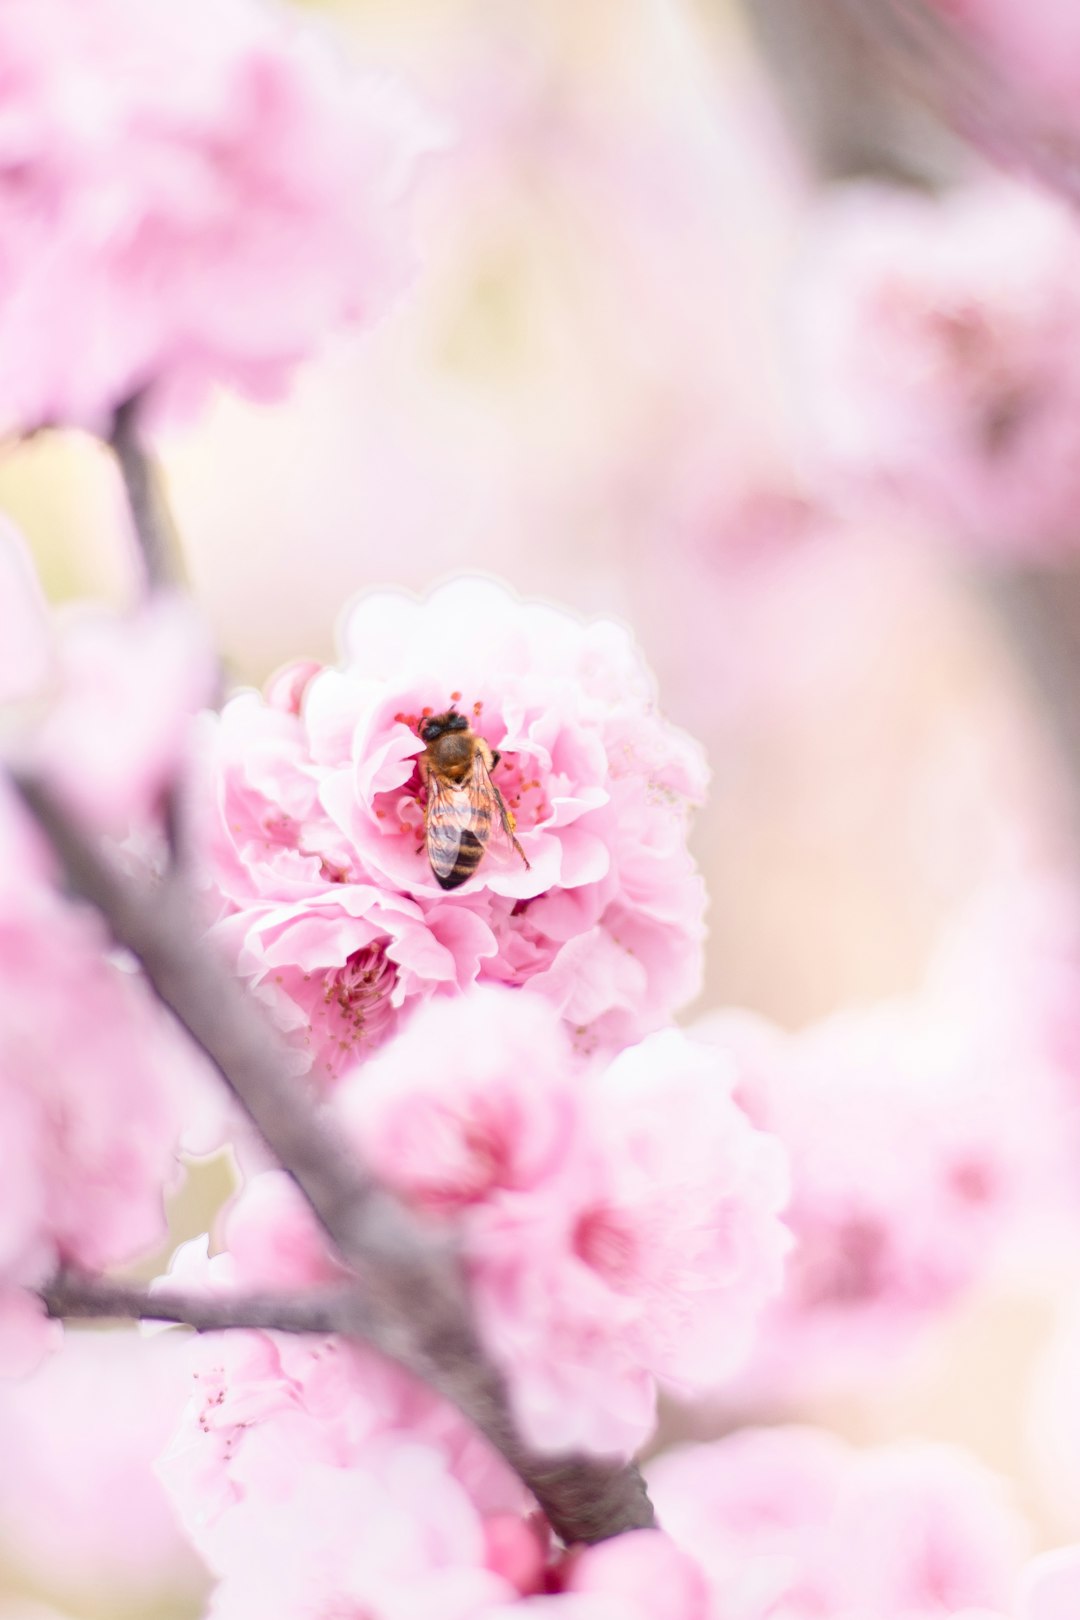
x: 506, y: 816
x: 495, y: 757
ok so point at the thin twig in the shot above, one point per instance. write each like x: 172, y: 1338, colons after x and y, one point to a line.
x: 154, y: 529
x: 76, y: 1296
x: 413, y: 1290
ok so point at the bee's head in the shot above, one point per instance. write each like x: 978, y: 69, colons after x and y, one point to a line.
x: 436, y: 724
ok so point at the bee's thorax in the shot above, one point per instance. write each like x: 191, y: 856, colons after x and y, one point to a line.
x: 452, y: 753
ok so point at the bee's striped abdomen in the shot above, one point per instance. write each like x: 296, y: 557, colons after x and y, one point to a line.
x: 459, y: 833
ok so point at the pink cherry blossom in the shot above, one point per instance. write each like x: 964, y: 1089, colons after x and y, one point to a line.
x: 80, y: 1508
x: 1007, y: 970
x: 315, y: 827
x: 793, y: 1522
x: 117, y: 733
x: 99, y: 705
x: 190, y: 195
x: 937, y: 338
x: 647, y: 1573
x: 90, y: 1082
x: 915, y: 1152
x: 267, y: 1410
x: 638, y: 1576
x: 608, y: 1247
x: 393, y: 1537
x: 1035, y: 47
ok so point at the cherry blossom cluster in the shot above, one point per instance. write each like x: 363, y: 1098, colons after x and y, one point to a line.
x: 188, y: 195
x: 936, y: 339
x: 90, y: 1084
x: 604, y: 1253
x: 313, y: 1478
x: 606, y: 1246
x: 794, y: 1523
x: 93, y: 1082
x: 916, y: 1156
x: 315, y: 838
x: 481, y: 1086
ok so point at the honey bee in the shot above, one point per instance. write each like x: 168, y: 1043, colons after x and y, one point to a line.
x: 462, y: 800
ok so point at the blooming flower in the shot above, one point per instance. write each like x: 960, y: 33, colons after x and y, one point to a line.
x: 937, y: 340
x: 295, y: 1436
x: 638, y: 1576
x: 188, y: 194
x: 90, y: 1079
x: 100, y: 1411
x: 607, y: 1246
x: 393, y: 1537
x: 99, y: 706
x: 794, y: 1522
x: 1037, y: 50
x: 914, y: 1152
x: 315, y: 826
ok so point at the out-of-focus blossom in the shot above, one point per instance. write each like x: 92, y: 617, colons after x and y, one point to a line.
x: 915, y: 1152
x: 316, y: 830
x: 116, y: 738
x: 648, y: 1575
x: 91, y: 1075
x: 1008, y: 965
x: 937, y: 339
x: 101, y: 706
x: 90, y: 1080
x: 1050, y: 1586
x: 392, y: 1537
x: 300, y: 1438
x: 638, y: 1576
x: 188, y: 194
x: 1036, y: 47
x: 608, y: 1245
x: 80, y: 1509
x: 793, y: 1522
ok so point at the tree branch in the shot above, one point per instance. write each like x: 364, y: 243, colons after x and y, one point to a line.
x: 848, y: 113
x: 73, y: 1295
x: 153, y: 525
x: 414, y: 1294
x: 948, y: 70
x: 1039, y: 609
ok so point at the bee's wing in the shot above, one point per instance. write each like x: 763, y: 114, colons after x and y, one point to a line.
x: 456, y: 815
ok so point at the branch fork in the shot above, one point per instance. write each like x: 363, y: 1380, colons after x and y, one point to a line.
x: 407, y: 1298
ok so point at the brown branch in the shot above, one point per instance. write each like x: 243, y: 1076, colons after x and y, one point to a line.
x: 1039, y: 609
x: 414, y: 1294
x: 150, y: 517
x: 75, y: 1296
x: 850, y: 116
x: 947, y: 69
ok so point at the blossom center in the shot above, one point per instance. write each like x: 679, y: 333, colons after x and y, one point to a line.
x: 357, y: 998
x: 605, y: 1244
